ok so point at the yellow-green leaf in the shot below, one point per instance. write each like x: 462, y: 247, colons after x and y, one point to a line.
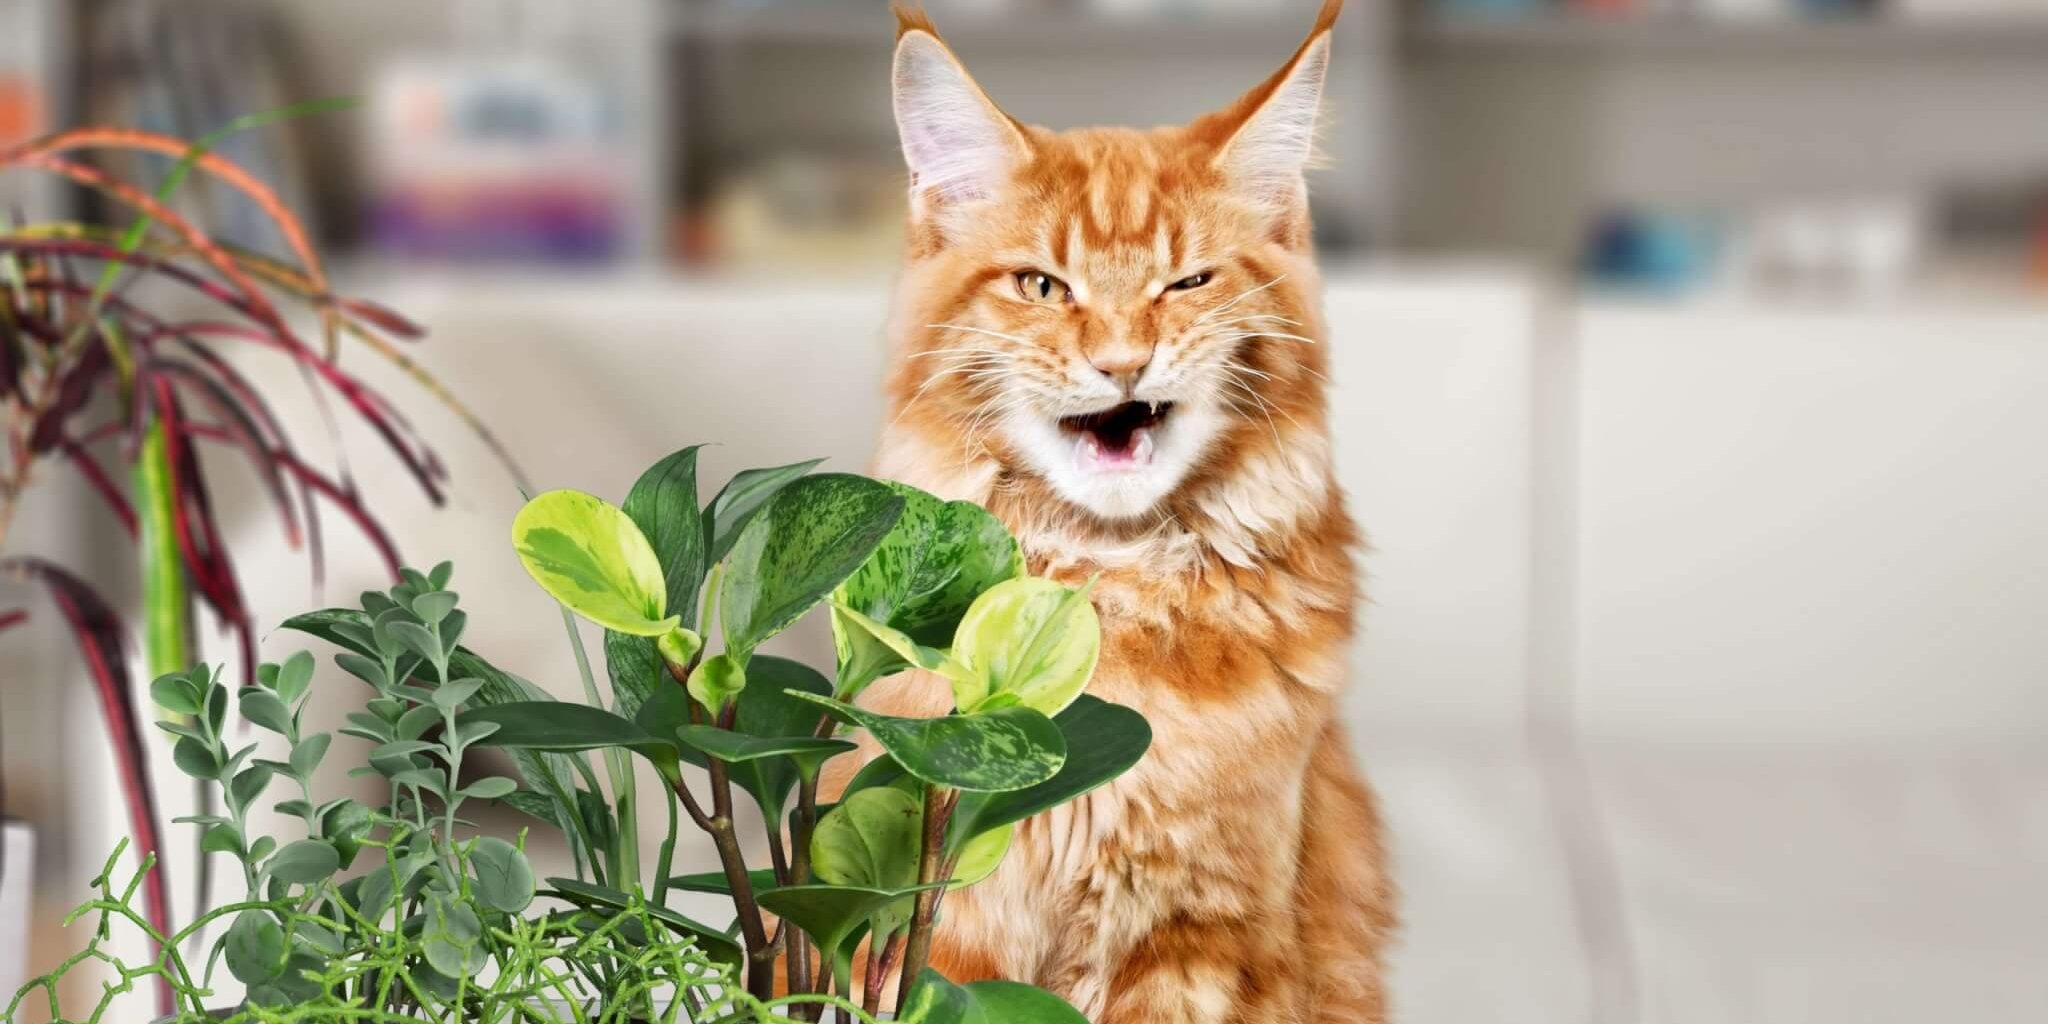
x: 588, y: 555
x: 1030, y: 639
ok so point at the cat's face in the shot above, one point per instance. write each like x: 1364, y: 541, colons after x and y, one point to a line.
x: 1108, y: 310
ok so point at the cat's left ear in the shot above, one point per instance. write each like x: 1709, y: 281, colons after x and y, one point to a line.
x: 1266, y: 140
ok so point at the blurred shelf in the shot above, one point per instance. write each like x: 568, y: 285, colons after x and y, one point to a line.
x: 804, y: 24
x: 1658, y: 35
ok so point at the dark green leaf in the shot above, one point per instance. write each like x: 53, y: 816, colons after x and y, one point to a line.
x: 934, y: 1000
x: 713, y: 942
x: 830, y: 913
x: 741, y: 499
x: 733, y: 747
x: 1013, y: 748
x: 813, y: 535
x: 1103, y: 741
x: 714, y: 882
x: 635, y: 668
x: 562, y: 726
x: 663, y: 503
x: 923, y: 577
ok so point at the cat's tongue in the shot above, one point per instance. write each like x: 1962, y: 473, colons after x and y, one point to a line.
x: 1118, y: 438
x: 1134, y: 450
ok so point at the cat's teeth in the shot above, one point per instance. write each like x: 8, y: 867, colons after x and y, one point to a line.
x: 1091, y: 447
x: 1141, y: 453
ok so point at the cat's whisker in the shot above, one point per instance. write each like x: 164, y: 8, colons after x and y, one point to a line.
x: 1226, y: 307
x: 979, y: 330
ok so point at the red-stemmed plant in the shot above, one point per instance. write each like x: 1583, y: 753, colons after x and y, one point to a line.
x: 99, y: 378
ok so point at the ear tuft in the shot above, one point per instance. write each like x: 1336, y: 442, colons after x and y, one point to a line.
x: 911, y: 17
x: 1276, y: 140
x: 958, y: 145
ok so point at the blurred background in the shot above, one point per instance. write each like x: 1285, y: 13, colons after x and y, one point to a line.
x: 1689, y: 358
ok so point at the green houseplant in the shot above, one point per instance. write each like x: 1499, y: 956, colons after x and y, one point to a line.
x: 397, y: 912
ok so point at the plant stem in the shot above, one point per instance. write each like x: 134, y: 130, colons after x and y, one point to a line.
x: 618, y: 770
x: 938, y: 811
x: 801, y: 824
x: 879, y: 963
x: 666, y: 864
x: 760, y: 955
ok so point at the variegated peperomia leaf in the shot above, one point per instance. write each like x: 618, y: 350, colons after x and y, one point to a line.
x: 990, y: 752
x: 588, y: 555
x: 917, y: 585
x: 1028, y: 642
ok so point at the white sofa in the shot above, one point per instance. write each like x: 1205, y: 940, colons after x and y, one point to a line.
x: 1701, y: 681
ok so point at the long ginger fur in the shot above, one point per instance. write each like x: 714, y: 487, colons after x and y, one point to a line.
x: 1236, y: 875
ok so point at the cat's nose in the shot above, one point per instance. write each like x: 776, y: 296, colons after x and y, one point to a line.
x: 1123, y: 365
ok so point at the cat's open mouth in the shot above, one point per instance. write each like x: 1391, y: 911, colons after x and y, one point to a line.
x: 1121, y: 436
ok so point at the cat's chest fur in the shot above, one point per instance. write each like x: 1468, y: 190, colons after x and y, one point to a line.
x: 1235, y: 669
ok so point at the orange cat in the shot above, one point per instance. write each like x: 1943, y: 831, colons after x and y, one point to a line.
x: 1112, y: 338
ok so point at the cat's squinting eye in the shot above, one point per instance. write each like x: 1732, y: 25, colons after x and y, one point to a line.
x: 1188, y: 284
x: 1040, y: 287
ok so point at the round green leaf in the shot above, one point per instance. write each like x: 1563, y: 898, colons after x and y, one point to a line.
x: 494, y: 787
x: 934, y: 1000
x: 305, y: 862
x: 453, y: 937
x: 195, y: 759
x: 175, y: 693
x: 810, y: 537
x: 982, y: 855
x: 1103, y: 741
x: 255, y: 947
x: 589, y: 556
x: 263, y: 708
x: 504, y: 879
x: 872, y: 838
x: 434, y: 606
x: 1030, y: 638
x: 1007, y: 749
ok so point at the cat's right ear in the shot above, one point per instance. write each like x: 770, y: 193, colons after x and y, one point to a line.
x: 959, y: 146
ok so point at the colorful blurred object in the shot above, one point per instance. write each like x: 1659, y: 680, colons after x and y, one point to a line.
x: 502, y: 159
